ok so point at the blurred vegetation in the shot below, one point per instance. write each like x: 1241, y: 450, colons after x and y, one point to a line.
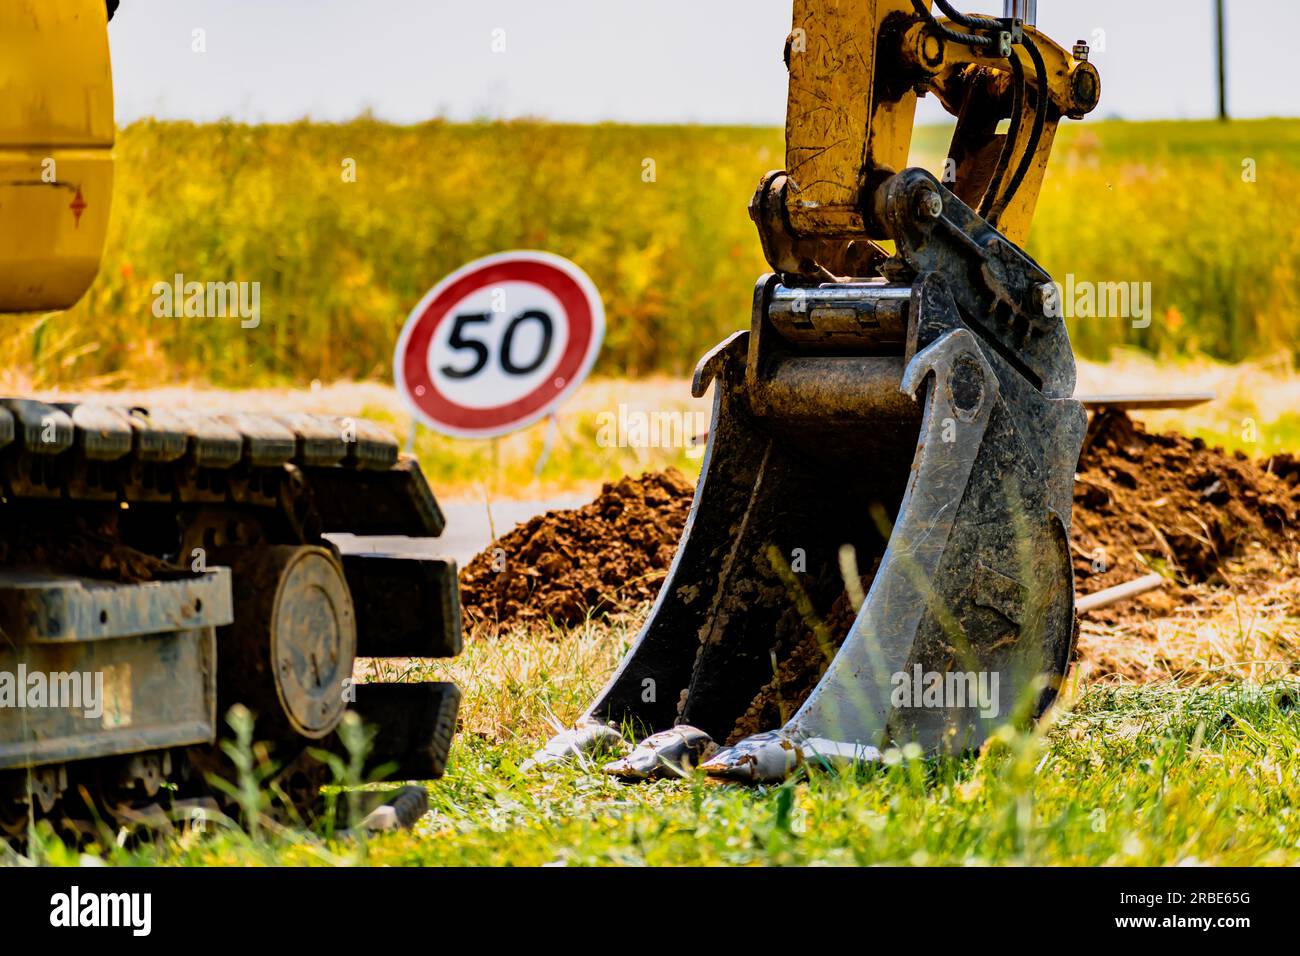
x: 341, y: 263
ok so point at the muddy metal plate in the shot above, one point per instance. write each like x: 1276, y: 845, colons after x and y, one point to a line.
x: 94, y: 669
x: 71, y: 701
x: 46, y: 607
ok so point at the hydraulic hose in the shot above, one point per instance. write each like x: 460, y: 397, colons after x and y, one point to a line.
x: 997, y: 196
x: 1035, y: 134
x: 972, y: 21
x: 968, y: 39
x: 996, y: 181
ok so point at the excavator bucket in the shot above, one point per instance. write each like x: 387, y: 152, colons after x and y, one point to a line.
x: 944, y: 470
x: 878, y: 550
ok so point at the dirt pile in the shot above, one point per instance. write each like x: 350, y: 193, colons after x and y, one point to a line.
x: 1169, y: 502
x: 605, y: 557
x: 799, y: 670
x: 1222, y: 527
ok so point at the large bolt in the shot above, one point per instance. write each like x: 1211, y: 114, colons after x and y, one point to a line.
x: 929, y: 204
x: 1046, y: 298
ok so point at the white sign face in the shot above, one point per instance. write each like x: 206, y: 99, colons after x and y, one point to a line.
x: 499, y: 344
x: 513, y: 322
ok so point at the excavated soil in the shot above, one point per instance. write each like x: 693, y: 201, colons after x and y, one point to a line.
x: 1168, y: 502
x: 1214, y: 523
x: 798, y: 672
x: 605, y: 557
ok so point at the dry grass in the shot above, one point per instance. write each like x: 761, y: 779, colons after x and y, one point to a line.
x: 522, y: 685
x: 1245, y: 625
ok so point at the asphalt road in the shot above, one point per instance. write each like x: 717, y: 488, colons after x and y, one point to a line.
x: 469, y: 529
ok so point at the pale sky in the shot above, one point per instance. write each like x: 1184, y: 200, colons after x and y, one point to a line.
x: 670, y: 61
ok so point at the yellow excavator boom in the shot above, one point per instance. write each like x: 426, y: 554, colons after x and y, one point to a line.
x: 856, y: 70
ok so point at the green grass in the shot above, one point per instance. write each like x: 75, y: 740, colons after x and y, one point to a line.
x: 340, y: 263
x: 1145, y: 777
x: 1123, y: 776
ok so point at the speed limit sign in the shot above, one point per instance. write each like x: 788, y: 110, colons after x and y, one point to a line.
x: 499, y: 343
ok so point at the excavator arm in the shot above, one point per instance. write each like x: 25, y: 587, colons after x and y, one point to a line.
x: 856, y: 72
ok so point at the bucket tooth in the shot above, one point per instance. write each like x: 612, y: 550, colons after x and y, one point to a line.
x: 759, y: 758
x: 774, y: 755
x: 589, y: 737
x: 669, y: 753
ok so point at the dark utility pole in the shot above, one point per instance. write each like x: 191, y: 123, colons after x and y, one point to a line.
x: 1222, y: 56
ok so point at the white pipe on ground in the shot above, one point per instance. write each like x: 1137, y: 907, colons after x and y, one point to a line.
x: 1120, y: 592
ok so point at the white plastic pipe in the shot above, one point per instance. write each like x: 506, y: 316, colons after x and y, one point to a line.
x: 1120, y: 592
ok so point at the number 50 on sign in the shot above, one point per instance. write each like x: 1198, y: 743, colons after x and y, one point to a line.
x: 499, y: 343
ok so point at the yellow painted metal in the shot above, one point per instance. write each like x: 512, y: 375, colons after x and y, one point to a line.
x: 843, y: 123
x: 855, y: 69
x: 56, y: 140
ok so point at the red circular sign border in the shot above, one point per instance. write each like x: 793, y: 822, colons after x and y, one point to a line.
x: 562, y: 279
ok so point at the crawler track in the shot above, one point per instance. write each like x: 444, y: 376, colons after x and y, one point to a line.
x: 127, y: 495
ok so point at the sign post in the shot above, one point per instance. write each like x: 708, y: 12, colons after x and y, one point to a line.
x: 499, y: 344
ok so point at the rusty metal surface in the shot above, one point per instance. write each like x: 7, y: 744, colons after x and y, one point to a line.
x: 159, y: 692
x: 292, y: 642
x: 93, y: 669
x: 42, y: 606
x: 842, y: 316
x: 844, y: 118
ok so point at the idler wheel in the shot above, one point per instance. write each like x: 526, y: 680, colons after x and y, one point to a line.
x: 293, y: 641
